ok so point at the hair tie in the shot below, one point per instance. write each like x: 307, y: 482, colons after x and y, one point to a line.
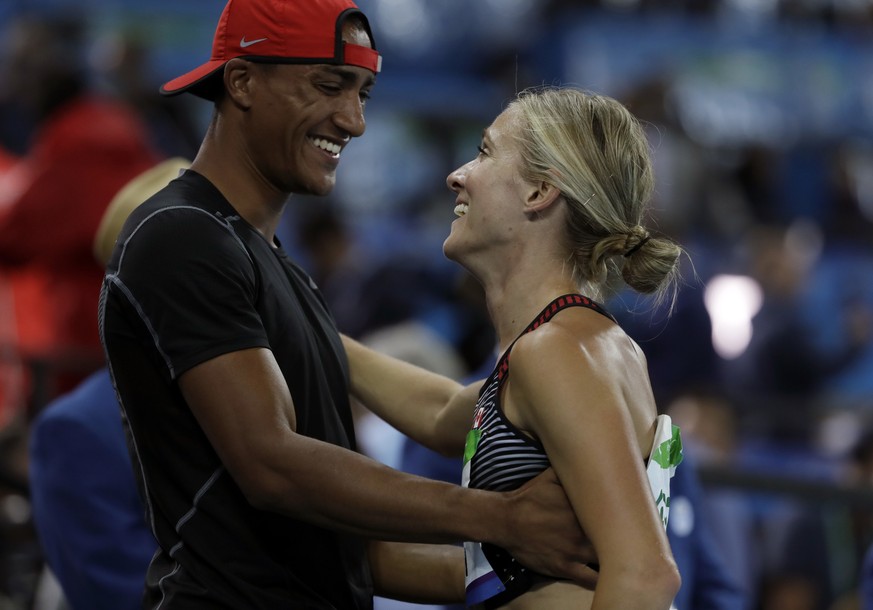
x: 639, y: 245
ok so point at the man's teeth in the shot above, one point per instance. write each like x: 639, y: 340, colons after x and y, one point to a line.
x: 330, y: 147
x: 461, y: 209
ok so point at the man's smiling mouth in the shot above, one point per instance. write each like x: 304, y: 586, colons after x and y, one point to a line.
x: 327, y: 146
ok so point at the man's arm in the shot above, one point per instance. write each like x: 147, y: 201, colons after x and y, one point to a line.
x: 245, y: 409
x: 431, y: 409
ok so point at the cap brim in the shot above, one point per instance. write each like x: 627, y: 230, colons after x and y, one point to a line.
x: 183, y: 83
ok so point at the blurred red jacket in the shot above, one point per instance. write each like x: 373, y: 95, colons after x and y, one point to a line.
x: 51, y: 203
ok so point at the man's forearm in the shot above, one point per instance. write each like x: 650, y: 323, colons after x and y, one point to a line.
x: 342, y: 490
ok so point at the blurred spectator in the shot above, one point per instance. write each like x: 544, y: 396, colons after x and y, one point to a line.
x: 87, y: 511
x: 849, y: 219
x: 777, y: 381
x: 856, y: 542
x: 866, y: 589
x: 84, y: 149
x: 707, y: 582
x: 775, y: 546
x: 123, y: 58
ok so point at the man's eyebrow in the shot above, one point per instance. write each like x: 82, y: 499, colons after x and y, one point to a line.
x: 349, y: 76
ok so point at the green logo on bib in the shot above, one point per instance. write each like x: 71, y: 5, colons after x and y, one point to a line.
x: 669, y: 453
x: 472, y: 444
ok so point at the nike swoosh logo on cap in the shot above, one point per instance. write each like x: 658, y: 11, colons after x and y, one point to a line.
x: 247, y: 43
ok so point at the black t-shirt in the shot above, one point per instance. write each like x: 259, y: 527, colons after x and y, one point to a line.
x: 190, y: 280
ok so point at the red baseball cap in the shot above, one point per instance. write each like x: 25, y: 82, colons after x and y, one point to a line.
x: 280, y: 31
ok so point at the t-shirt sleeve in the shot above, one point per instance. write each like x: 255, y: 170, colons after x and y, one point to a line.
x: 193, y: 284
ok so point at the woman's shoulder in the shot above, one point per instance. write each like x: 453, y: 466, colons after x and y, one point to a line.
x: 579, y: 333
x: 585, y: 349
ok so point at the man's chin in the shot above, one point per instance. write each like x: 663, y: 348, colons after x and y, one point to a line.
x: 318, y: 189
x: 324, y: 190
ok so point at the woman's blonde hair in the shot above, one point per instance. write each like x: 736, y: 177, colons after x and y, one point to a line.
x: 597, y: 154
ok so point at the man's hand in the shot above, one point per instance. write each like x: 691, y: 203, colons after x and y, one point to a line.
x: 544, y: 533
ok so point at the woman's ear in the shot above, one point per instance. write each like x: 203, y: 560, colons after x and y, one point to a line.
x: 540, y: 196
x: 238, y: 82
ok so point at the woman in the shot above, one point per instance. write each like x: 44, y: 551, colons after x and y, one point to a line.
x: 550, y: 217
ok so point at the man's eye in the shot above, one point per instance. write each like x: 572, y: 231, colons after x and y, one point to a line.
x: 481, y: 150
x: 364, y: 95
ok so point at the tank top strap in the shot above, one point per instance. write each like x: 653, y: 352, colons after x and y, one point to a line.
x: 560, y: 303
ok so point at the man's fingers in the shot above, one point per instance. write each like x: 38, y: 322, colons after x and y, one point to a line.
x: 584, y: 551
x: 585, y: 576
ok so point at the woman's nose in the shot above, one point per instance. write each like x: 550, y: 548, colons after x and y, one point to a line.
x: 455, y: 180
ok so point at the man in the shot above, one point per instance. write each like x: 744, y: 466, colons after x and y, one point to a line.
x: 232, y: 377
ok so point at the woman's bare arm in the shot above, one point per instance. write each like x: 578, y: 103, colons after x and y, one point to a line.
x: 432, y: 409
x: 570, y: 397
x: 417, y: 573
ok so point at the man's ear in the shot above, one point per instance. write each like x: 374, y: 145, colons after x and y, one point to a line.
x: 540, y: 196
x: 238, y: 82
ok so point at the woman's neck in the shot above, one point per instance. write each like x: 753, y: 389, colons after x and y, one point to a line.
x: 516, y: 299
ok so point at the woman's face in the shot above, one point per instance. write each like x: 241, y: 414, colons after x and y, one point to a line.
x: 490, y: 192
